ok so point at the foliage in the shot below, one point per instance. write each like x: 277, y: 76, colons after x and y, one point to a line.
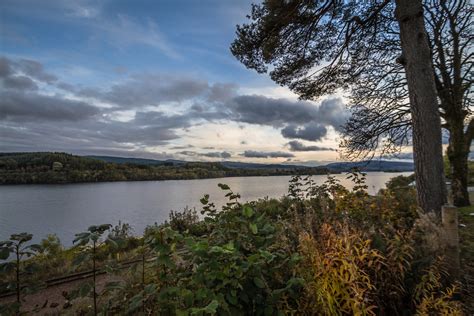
x: 16, y: 247
x: 431, y: 299
x: 322, y: 250
x: 92, y: 235
x: 27, y: 168
x: 337, y: 269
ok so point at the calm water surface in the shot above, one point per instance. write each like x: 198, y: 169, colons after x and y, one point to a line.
x: 69, y: 209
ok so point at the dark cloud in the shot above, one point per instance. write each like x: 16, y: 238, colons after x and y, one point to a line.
x: 255, y: 109
x: 5, y: 68
x: 17, y: 106
x: 311, y: 132
x: 35, y: 70
x: 66, y: 86
x: 223, y: 154
x: 22, y: 74
x: 299, y: 146
x: 148, y: 89
x: 266, y: 154
x: 85, y: 135
x: 19, y: 83
x: 298, y: 119
x: 220, y: 92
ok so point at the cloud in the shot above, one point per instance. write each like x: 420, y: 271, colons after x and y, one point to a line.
x: 19, y: 83
x: 21, y: 74
x: 17, y: 106
x: 223, y: 154
x: 266, y: 154
x: 77, y: 119
x: 182, y: 147
x: 256, y: 109
x: 220, y: 92
x: 124, y: 31
x: 149, y: 89
x: 298, y: 146
x: 297, y: 119
x: 35, y: 70
x: 5, y: 67
x: 311, y: 132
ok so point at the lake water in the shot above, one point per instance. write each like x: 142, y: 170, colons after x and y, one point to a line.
x: 69, y: 209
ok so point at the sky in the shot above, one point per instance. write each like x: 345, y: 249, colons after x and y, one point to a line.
x: 150, y: 79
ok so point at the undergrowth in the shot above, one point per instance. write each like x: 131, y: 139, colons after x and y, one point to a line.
x: 320, y: 250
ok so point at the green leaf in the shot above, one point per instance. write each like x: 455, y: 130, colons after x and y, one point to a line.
x: 4, y: 253
x: 268, y: 311
x: 7, y: 267
x: 102, y: 228
x: 223, y: 186
x: 23, y: 237
x: 82, y: 237
x: 135, y: 302
x: 205, y: 199
x: 85, y: 289
x: 259, y: 282
x: 6, y: 243
x: 114, y: 285
x: 231, y: 299
x: 35, y: 247
x: 253, y: 228
x: 247, y: 211
x: 79, y: 259
x: 211, y: 308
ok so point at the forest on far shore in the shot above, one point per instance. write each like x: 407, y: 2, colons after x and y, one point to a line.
x: 56, y: 168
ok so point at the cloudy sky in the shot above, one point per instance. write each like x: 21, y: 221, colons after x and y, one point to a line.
x: 151, y: 79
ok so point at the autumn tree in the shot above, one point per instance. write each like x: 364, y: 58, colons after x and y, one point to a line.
x: 321, y: 47
x: 381, y: 116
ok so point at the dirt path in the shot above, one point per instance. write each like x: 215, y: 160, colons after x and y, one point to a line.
x: 50, y: 301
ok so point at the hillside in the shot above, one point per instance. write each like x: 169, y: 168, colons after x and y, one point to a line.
x: 52, y: 168
x: 376, y: 165
x: 337, y: 167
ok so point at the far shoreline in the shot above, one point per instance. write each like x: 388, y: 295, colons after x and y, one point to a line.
x: 205, y: 178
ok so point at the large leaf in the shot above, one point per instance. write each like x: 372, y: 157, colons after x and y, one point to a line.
x: 22, y: 237
x: 80, y: 258
x: 223, y: 186
x: 7, y: 267
x: 4, y: 253
x: 259, y: 282
x: 35, y: 247
x: 247, y: 211
x: 253, y: 228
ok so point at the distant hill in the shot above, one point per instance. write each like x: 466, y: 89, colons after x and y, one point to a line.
x: 375, y: 165
x: 136, y: 161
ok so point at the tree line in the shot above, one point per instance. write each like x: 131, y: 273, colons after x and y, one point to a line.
x: 53, y: 168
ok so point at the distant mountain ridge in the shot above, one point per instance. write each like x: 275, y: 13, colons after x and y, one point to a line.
x: 374, y: 165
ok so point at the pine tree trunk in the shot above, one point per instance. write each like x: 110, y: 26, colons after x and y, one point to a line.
x: 427, y: 149
x: 458, y: 154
